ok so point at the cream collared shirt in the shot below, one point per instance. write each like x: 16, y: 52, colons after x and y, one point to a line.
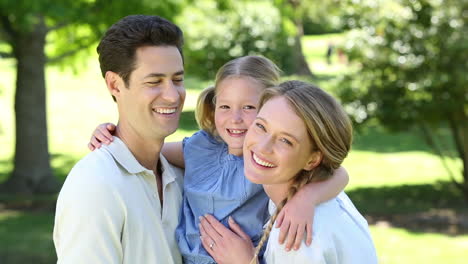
x: 109, y: 211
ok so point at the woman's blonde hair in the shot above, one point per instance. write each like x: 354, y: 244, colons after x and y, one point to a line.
x: 258, y: 68
x: 329, y: 129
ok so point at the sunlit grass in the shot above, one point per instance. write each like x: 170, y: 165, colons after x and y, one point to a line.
x: 397, y: 245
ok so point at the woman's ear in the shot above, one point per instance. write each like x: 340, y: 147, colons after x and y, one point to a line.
x: 315, y: 159
x: 114, y: 83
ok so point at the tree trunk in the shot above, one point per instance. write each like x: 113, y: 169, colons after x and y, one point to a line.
x: 32, y: 172
x: 301, y: 65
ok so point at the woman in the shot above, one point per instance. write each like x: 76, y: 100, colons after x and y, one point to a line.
x: 301, y: 135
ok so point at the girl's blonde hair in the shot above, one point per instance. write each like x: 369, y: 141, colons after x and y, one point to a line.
x: 329, y: 129
x: 258, y: 68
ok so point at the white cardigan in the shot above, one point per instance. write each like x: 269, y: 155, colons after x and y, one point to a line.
x: 340, y: 235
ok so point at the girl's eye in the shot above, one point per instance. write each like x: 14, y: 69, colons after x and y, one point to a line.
x: 224, y: 107
x: 260, y: 126
x: 286, y: 141
x: 249, y: 107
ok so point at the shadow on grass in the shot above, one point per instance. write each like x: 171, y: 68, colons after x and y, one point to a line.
x: 62, y: 164
x: 26, y: 237
x: 438, y: 207
x: 375, y: 138
x: 188, y: 121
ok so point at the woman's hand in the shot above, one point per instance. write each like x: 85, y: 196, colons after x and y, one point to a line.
x: 102, y: 134
x: 224, y: 245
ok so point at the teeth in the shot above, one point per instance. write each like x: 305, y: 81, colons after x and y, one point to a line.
x: 236, y: 131
x: 262, y: 162
x: 166, y: 110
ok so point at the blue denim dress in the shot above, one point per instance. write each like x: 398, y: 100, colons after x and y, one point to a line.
x: 214, y: 183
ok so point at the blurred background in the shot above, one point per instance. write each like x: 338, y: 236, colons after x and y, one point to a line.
x: 400, y: 67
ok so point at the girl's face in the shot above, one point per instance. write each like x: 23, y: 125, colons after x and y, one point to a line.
x: 236, y: 107
x: 277, y: 145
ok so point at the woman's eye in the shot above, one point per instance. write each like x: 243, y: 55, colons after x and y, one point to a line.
x: 260, y: 126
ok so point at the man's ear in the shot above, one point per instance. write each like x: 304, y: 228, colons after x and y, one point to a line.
x: 114, y: 83
x: 315, y: 159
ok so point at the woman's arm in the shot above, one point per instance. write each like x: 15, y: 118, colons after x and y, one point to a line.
x: 297, y: 216
x: 174, y: 153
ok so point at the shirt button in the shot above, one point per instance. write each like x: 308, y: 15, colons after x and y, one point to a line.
x: 154, y: 196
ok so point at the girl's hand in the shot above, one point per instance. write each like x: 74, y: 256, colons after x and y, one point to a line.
x: 224, y: 245
x: 295, y: 221
x: 102, y: 134
x: 296, y: 218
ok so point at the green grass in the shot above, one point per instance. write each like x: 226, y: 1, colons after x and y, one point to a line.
x: 390, y: 172
x: 396, y: 245
x: 25, y: 237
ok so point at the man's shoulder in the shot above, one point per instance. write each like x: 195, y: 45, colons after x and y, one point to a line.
x: 97, y: 163
x: 97, y: 169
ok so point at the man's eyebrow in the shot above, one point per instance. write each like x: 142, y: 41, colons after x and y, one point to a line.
x: 154, y: 74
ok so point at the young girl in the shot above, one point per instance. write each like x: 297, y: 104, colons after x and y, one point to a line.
x: 214, y: 182
x: 304, y: 135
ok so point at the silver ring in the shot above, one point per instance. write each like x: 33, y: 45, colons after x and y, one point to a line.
x: 211, y: 245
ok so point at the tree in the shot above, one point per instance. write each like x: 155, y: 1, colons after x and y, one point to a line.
x: 71, y: 26
x: 221, y: 33
x: 412, y: 63
x: 294, y: 12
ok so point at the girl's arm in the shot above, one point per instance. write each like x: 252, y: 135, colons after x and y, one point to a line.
x: 174, y: 153
x: 103, y: 133
x: 297, y: 216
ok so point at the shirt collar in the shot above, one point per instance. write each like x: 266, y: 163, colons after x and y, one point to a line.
x: 125, y: 158
x: 167, y: 171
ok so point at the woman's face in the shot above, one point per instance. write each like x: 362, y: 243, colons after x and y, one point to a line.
x: 277, y: 145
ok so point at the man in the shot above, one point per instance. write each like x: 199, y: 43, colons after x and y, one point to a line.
x: 120, y: 204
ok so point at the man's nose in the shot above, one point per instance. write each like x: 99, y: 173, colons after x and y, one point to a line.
x: 170, y: 92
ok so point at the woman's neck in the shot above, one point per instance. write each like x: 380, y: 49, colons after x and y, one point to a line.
x: 277, y: 192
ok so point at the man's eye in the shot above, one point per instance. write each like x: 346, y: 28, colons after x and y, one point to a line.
x: 154, y: 83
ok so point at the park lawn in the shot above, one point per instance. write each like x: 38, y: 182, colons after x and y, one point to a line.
x: 397, y: 245
x: 380, y: 162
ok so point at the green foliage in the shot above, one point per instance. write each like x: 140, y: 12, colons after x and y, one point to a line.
x: 215, y: 36
x: 413, y: 60
x: 74, y: 25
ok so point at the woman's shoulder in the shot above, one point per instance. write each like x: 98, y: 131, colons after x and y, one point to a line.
x: 276, y: 253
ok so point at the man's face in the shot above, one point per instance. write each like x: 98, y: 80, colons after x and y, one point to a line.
x: 151, y: 105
